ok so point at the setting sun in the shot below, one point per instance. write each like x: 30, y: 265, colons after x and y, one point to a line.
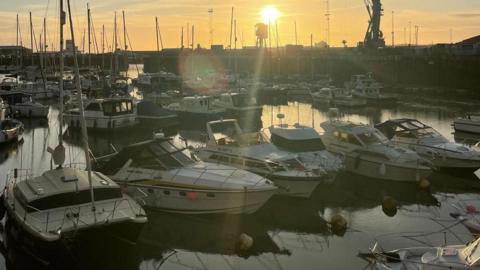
x: 270, y: 14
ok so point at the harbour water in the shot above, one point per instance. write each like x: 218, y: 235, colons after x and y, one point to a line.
x: 287, y: 232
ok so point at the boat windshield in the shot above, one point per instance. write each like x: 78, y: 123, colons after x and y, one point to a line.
x: 374, y: 137
x: 472, y: 253
x: 415, y: 129
x: 164, y: 155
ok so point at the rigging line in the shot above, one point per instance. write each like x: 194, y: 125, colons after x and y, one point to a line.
x: 94, y: 35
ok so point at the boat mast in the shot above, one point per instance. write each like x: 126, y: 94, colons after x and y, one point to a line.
x: 156, y: 32
x: 18, y: 55
x: 60, y: 114
x: 45, y: 44
x: 89, y: 34
x: 103, y: 47
x: 82, y: 112
x: 125, y: 41
x: 115, y: 39
x: 31, y: 34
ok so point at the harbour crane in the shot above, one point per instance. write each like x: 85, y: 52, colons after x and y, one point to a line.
x: 374, y: 36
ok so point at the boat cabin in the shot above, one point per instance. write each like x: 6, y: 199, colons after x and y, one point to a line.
x: 359, y: 135
x: 111, y: 107
x: 197, y: 104
x: 296, y: 138
x: 228, y: 132
x: 237, y: 100
x: 63, y: 188
x: 13, y: 98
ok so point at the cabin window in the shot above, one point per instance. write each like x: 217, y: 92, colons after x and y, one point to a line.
x: 238, y: 161
x: 166, y: 192
x: 108, y: 108
x: 210, y: 195
x: 93, y: 107
x: 182, y: 193
x: 70, y: 198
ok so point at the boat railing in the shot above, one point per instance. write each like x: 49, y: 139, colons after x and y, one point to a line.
x: 78, y: 217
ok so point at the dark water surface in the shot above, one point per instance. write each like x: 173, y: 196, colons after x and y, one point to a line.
x: 288, y: 233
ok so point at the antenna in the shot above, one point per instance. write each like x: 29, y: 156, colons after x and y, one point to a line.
x: 210, y: 15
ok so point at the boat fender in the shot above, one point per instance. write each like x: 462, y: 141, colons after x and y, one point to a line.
x: 382, y: 169
x: 338, y: 224
x: 389, y: 206
x: 471, y: 209
x: 244, y: 242
x: 424, y: 184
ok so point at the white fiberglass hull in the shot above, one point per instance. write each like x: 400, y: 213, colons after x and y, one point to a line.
x: 296, y: 187
x: 386, y: 171
x: 115, y: 122
x: 201, y: 201
x: 466, y: 125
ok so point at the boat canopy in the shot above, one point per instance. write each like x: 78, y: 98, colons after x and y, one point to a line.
x: 64, y: 187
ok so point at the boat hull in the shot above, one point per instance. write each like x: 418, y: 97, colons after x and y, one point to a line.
x: 191, y: 201
x: 467, y: 126
x: 62, y: 250
x: 296, y: 186
x: 372, y: 169
x: 105, y: 123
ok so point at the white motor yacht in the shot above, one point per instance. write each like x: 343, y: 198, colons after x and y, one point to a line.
x: 469, y: 123
x: 228, y: 144
x: 238, y: 105
x: 427, y: 257
x: 429, y: 143
x: 23, y: 105
x: 336, y: 97
x: 173, y: 180
x: 366, y: 87
x: 306, y: 143
x: 369, y: 153
x: 106, y: 114
x: 197, y: 108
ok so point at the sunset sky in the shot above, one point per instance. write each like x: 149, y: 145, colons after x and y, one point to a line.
x: 348, y: 20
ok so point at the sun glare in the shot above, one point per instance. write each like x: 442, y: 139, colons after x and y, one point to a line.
x: 270, y: 14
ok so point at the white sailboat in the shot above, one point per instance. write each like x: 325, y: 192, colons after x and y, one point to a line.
x: 67, y: 203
